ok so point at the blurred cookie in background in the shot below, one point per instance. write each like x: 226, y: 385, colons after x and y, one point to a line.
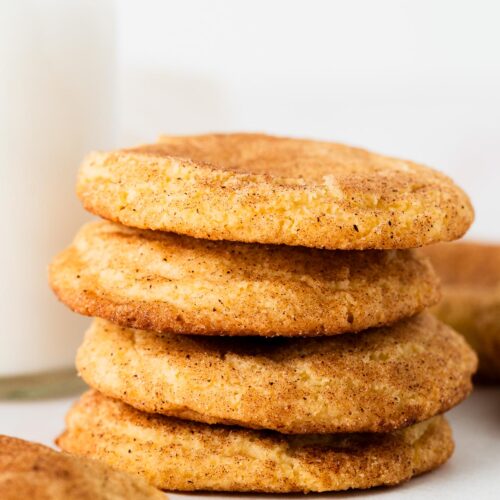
x: 470, y: 273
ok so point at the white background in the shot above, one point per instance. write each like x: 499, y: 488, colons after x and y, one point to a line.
x: 416, y: 79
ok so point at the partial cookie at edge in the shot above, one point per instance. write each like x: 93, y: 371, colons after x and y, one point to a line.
x: 32, y: 471
x: 471, y: 298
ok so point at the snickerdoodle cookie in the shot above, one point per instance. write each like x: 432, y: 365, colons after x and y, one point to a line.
x: 376, y: 381
x: 264, y: 189
x: 167, y: 282
x: 181, y: 455
x: 31, y: 471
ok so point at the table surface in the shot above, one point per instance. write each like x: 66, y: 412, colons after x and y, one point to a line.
x: 472, y: 473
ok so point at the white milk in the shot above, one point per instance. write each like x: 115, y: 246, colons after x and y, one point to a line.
x: 56, y: 77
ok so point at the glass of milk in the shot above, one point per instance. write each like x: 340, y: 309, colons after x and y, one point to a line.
x: 56, y: 104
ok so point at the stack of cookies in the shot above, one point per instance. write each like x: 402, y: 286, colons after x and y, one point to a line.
x: 261, y: 322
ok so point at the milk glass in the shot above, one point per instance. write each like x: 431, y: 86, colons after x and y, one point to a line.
x: 56, y: 104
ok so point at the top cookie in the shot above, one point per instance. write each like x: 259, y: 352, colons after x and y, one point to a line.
x: 33, y: 471
x: 264, y: 189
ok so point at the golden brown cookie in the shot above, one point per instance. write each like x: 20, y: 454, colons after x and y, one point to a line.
x: 167, y: 282
x: 31, y: 471
x: 376, y: 381
x: 471, y: 298
x: 259, y: 188
x: 181, y: 455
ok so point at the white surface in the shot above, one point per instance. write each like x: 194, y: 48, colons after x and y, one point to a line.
x: 472, y: 473
x: 56, y: 67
